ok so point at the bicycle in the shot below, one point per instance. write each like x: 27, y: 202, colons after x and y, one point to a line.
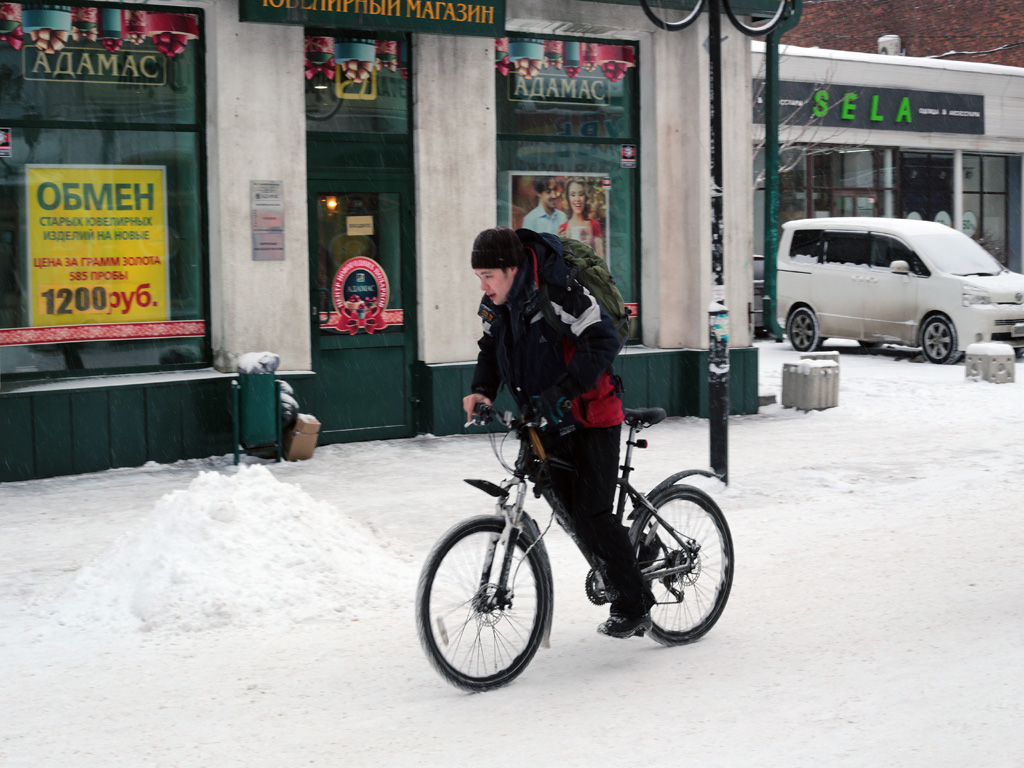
x: 485, y: 599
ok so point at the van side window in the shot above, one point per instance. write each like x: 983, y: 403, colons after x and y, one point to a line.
x: 886, y: 249
x: 805, y: 247
x: 848, y: 248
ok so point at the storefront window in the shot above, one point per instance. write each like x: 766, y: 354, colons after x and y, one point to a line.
x: 101, y: 228
x: 985, y: 202
x: 356, y: 84
x: 926, y: 186
x: 567, y: 145
x: 852, y: 182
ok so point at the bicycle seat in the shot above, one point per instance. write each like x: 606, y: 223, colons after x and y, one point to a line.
x: 644, y: 417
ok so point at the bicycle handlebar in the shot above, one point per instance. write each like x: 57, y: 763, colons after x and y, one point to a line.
x: 484, y: 414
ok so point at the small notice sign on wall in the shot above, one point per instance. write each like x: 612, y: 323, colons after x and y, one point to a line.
x: 359, y: 225
x: 267, y: 199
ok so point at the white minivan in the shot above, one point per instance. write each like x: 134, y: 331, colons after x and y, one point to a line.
x: 895, y: 281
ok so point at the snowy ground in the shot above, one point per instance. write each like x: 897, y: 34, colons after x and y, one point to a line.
x: 164, y: 617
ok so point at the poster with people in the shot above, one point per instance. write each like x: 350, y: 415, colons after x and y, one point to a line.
x: 567, y: 205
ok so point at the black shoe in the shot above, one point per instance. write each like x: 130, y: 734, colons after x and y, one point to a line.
x: 625, y: 626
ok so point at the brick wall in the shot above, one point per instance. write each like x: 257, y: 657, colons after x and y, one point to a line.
x: 974, y: 29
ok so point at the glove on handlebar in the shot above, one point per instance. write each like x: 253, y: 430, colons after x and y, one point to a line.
x: 552, y: 405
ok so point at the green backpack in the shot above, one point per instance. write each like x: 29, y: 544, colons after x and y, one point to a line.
x: 590, y: 270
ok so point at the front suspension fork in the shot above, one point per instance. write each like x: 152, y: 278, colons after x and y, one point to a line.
x: 495, y: 592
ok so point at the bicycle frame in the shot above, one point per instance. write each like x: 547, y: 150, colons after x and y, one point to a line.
x: 532, y: 449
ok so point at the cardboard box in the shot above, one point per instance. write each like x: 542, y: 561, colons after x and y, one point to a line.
x: 300, y: 440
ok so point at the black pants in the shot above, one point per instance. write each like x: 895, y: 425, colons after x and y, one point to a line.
x: 588, y: 492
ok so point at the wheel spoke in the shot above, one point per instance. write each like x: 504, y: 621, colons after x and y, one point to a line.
x: 472, y: 643
x: 688, y: 602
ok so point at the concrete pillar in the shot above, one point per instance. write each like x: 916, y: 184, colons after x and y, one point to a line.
x: 675, y: 195
x: 455, y: 143
x: 675, y: 205
x: 256, y: 130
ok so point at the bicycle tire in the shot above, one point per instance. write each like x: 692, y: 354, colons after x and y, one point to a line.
x: 482, y: 650
x: 674, y: 26
x: 688, y: 604
x: 759, y: 30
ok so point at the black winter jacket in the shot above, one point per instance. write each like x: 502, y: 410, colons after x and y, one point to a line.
x: 523, y: 350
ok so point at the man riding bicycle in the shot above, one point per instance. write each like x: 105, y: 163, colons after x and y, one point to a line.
x: 561, y: 377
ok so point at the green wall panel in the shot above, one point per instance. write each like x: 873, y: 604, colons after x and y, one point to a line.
x: 163, y: 424
x: 742, y: 381
x: 444, y: 386
x: 16, y: 460
x: 69, y: 431
x: 206, y: 418
x: 128, y: 447
x: 90, y: 430
x: 51, y: 446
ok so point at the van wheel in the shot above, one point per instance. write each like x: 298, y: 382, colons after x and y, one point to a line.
x: 939, y: 341
x: 802, y: 329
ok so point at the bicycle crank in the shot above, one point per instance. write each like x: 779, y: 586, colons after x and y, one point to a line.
x: 595, y: 588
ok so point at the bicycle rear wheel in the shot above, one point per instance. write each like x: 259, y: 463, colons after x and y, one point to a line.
x: 475, y: 640
x: 687, y: 562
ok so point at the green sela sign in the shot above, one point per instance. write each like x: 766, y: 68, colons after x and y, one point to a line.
x: 886, y: 109
x: 485, y: 18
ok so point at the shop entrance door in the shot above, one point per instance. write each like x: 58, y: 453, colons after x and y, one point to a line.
x: 363, y: 296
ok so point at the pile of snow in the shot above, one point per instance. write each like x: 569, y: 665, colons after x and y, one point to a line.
x: 241, y: 550
x: 258, y: 362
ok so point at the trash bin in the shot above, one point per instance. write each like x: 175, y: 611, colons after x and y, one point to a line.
x: 258, y: 414
x: 257, y: 407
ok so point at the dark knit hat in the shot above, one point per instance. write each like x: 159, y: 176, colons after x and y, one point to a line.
x: 497, y: 248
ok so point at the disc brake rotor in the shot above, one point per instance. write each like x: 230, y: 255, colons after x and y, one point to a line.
x: 675, y: 583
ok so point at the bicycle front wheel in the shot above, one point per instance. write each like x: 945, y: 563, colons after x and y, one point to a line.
x: 477, y: 633
x: 686, y: 558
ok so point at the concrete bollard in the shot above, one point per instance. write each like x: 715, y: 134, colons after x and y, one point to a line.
x: 810, y: 385
x: 990, y: 361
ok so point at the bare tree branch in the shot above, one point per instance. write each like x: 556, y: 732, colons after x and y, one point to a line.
x: 802, y: 138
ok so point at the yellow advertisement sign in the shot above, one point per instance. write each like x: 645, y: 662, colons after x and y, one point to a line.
x: 97, y: 244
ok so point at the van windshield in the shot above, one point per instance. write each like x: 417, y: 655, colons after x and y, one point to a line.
x: 957, y: 255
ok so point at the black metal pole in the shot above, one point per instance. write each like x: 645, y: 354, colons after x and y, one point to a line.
x: 718, y: 314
